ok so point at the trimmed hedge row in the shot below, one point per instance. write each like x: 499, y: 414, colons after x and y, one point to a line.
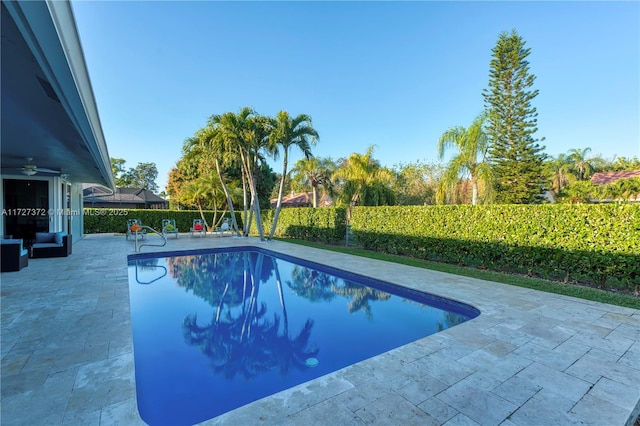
x: 592, y: 243
x: 115, y: 220
x: 595, y: 243
x: 323, y: 225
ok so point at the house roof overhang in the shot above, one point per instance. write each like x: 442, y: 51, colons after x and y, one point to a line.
x: 48, y: 110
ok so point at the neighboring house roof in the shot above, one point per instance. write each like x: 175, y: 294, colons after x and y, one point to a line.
x: 605, y: 178
x: 97, y: 194
x: 302, y: 199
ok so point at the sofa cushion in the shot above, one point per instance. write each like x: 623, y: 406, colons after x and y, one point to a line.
x: 45, y: 245
x: 59, y: 236
x: 46, y: 237
x: 11, y: 241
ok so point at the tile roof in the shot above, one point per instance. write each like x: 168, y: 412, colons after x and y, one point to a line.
x: 120, y: 196
x: 302, y: 199
x: 604, y: 178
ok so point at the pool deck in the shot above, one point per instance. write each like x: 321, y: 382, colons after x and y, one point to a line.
x: 530, y: 358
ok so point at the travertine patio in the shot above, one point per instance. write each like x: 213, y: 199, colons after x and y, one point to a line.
x: 530, y: 358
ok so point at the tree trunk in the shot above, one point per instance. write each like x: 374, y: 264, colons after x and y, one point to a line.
x: 256, y: 208
x: 474, y: 191
x: 285, y: 317
x: 280, y: 194
x: 202, y: 213
x: 255, y: 205
x: 234, y: 222
x: 315, y: 196
x: 245, y: 222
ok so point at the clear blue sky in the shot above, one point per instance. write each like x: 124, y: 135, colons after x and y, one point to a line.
x: 392, y: 74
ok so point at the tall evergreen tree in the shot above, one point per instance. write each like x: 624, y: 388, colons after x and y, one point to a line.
x: 516, y: 157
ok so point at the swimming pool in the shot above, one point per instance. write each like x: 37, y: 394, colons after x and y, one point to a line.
x: 214, y: 330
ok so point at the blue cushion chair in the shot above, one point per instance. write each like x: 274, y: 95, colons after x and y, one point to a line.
x: 51, y: 244
x: 13, y: 256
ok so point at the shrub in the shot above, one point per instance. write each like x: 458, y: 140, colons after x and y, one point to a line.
x: 323, y: 225
x: 595, y: 243
x: 599, y: 244
x: 115, y: 220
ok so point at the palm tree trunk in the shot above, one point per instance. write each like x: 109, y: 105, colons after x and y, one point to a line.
x: 255, y: 201
x: 246, y: 223
x: 226, y: 288
x: 255, y: 287
x: 474, y: 191
x: 215, y: 214
x: 255, y: 205
x: 285, y: 317
x: 202, y: 213
x: 315, y: 196
x: 234, y: 223
x: 219, y: 309
x: 280, y: 194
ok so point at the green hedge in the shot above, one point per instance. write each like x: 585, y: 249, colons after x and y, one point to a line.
x: 595, y: 243
x: 115, y: 220
x: 323, y: 225
x: 592, y: 243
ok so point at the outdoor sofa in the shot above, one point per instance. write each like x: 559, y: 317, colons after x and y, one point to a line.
x: 51, y: 244
x: 13, y: 256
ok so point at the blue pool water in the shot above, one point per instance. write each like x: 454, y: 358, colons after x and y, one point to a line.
x: 214, y: 330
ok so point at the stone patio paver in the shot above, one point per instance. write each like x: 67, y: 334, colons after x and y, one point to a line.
x: 530, y: 358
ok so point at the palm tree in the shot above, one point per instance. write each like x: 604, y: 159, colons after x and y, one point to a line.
x: 311, y: 284
x: 288, y: 132
x: 205, y: 191
x: 364, y: 181
x: 314, y: 172
x: 247, y: 134
x: 582, y: 165
x: 228, y: 128
x: 214, y: 141
x: 360, y: 296
x: 255, y: 140
x: 561, y: 175
x: 472, y: 145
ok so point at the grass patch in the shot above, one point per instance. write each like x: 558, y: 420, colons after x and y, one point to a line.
x: 581, y: 292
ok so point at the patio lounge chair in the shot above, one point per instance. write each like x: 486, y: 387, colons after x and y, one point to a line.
x: 198, y: 228
x: 134, y: 228
x: 224, y: 227
x: 169, y: 227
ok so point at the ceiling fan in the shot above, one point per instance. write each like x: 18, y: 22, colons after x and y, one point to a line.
x: 31, y: 169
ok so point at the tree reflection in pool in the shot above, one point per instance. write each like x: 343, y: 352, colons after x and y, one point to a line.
x: 215, y: 330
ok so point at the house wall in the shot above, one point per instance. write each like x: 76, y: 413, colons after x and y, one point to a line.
x: 77, y: 222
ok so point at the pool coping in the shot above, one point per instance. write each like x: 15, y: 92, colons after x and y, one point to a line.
x: 529, y: 358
